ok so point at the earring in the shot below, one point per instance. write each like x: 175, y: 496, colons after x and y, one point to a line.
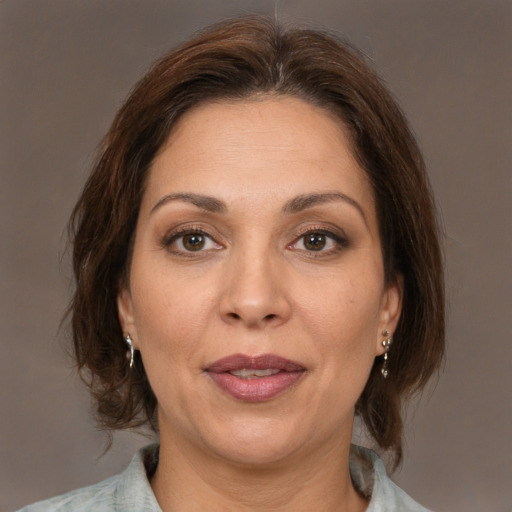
x: 130, y: 351
x: 386, y: 343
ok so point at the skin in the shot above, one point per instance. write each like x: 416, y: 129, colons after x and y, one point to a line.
x: 255, y: 286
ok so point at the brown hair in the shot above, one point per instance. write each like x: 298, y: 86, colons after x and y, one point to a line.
x: 235, y: 60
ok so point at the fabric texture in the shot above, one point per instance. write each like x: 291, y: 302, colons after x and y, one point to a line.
x: 130, y: 491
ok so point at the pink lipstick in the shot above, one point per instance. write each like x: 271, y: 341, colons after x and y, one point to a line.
x: 254, y: 379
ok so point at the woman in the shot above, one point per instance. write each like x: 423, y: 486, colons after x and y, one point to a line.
x: 257, y: 261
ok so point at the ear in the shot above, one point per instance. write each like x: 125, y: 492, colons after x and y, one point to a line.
x: 125, y: 313
x: 391, y: 309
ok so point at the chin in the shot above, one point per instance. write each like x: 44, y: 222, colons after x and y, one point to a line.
x: 257, y: 443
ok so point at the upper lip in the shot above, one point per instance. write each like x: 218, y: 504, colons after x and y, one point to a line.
x: 261, y: 362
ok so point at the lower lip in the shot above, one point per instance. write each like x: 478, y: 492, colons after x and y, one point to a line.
x: 255, y: 390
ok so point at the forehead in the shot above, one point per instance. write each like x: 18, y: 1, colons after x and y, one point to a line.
x: 267, y: 147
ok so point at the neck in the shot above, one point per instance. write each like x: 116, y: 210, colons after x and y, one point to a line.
x: 188, y: 479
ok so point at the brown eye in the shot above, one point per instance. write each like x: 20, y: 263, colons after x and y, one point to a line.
x: 193, y: 242
x: 320, y: 241
x: 190, y: 241
x: 315, y: 241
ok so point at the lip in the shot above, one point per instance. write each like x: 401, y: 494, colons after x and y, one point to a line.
x: 258, y: 389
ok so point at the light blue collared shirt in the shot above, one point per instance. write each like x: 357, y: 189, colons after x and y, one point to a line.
x: 130, y: 491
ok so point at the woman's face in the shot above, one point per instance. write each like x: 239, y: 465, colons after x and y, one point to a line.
x: 256, y: 293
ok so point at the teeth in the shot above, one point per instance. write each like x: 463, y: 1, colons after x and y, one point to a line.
x: 253, y: 374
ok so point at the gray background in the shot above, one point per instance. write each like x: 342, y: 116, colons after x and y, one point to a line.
x: 65, y: 68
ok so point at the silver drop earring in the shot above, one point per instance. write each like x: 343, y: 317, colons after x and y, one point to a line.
x: 131, y: 351
x: 386, y: 343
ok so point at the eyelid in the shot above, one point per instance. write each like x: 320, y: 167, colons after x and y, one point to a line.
x: 335, y: 234
x: 175, y: 234
x: 333, y: 231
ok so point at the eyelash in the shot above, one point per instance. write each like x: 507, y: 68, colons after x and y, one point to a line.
x: 174, y: 236
x: 341, y: 241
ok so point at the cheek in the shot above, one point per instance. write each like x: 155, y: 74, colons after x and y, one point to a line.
x: 343, y: 317
x: 170, y: 315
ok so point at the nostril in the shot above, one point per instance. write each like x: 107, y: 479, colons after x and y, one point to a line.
x: 235, y: 316
x: 270, y: 317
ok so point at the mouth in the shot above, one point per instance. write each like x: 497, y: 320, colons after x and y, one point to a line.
x: 255, y: 379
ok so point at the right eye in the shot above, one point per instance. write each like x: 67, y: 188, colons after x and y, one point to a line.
x: 191, y: 241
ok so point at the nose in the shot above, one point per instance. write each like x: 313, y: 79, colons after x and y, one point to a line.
x: 255, y: 293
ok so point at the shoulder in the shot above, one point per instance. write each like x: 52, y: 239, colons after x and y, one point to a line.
x: 370, y: 477
x: 99, y: 497
x: 129, y: 491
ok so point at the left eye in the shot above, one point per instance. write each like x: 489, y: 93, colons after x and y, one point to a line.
x: 315, y: 241
x: 193, y: 242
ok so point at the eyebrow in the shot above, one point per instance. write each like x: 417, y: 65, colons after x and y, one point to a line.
x: 305, y: 201
x: 295, y: 205
x: 207, y: 203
